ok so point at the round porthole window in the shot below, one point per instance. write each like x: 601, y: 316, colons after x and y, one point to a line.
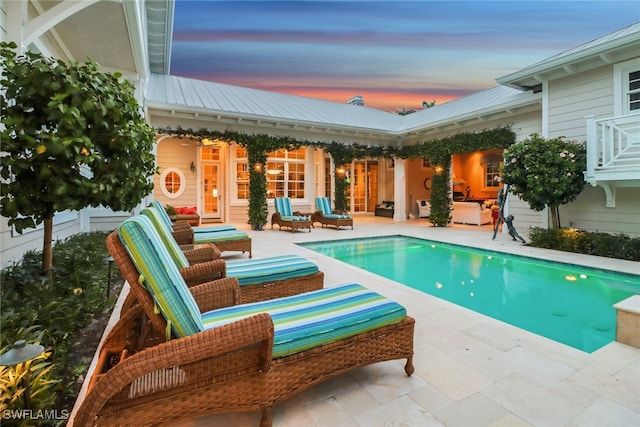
x: 172, y: 183
x: 427, y: 184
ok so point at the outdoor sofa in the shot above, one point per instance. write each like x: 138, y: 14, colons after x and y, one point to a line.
x: 161, y: 364
x: 471, y: 213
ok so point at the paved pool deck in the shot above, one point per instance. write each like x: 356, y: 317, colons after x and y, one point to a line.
x: 470, y: 369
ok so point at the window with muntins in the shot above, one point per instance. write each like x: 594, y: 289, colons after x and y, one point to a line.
x: 491, y: 170
x: 242, y: 173
x: 285, y: 173
x: 633, y: 94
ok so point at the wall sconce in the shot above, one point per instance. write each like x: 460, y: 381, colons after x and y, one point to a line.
x: 193, y: 167
x: 438, y: 169
x: 340, y: 171
x: 257, y: 167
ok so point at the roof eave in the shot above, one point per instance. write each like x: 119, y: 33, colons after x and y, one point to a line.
x: 268, y: 124
x: 617, y: 50
x: 523, y: 104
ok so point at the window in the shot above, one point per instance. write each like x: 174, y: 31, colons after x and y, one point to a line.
x: 491, y: 170
x: 285, y: 173
x: 426, y: 163
x: 626, y: 87
x: 242, y: 173
x: 172, y: 183
x: 633, y: 94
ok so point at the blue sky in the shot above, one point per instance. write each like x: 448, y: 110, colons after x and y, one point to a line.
x: 394, y: 53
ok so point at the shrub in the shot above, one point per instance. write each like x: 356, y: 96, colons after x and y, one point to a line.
x: 53, y: 313
x: 619, y: 246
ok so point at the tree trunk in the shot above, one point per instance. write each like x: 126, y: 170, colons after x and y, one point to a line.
x: 553, y: 211
x: 47, y: 249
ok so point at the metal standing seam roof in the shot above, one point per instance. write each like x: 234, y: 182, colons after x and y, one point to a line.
x: 176, y: 93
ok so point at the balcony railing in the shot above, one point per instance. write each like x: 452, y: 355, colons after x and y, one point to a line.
x: 613, y: 153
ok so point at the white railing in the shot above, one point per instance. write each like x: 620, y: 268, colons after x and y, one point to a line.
x: 613, y: 144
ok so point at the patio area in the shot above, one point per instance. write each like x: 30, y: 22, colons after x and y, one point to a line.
x: 471, y: 370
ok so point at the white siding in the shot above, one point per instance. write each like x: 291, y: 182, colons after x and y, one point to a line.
x: 588, y: 212
x: 178, y: 153
x: 573, y: 98
x: 14, y: 245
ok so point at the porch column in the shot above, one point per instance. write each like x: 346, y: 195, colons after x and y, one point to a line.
x: 400, y: 191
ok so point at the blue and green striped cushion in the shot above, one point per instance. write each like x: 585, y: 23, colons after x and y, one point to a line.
x: 163, y: 213
x: 167, y: 221
x: 295, y: 218
x: 213, y: 228
x: 324, y: 205
x: 336, y: 216
x: 219, y: 236
x: 283, y: 206
x: 167, y: 237
x: 316, y: 318
x: 265, y: 270
x: 160, y: 275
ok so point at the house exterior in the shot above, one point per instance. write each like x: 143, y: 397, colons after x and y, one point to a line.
x: 591, y: 93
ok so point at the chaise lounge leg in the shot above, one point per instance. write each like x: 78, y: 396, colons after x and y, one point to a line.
x: 408, y: 368
x: 266, y: 420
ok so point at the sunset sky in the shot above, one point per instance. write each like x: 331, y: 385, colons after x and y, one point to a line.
x: 395, y: 54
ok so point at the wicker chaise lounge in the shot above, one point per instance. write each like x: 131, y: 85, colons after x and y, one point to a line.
x: 285, y: 217
x: 259, y: 279
x: 226, y: 237
x: 327, y: 216
x: 238, y: 358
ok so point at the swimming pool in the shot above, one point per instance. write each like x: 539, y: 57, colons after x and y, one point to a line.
x: 567, y: 303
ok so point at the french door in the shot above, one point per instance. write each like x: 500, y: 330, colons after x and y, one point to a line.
x: 211, y: 183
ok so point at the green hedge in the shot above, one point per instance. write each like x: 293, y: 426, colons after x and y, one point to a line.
x: 619, y: 246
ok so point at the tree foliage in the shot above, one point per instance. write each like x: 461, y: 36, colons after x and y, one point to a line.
x: 73, y: 137
x: 545, y: 172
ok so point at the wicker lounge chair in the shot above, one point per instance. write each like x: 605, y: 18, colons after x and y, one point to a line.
x: 284, y: 216
x: 259, y: 279
x: 326, y: 216
x: 226, y: 237
x: 237, y: 358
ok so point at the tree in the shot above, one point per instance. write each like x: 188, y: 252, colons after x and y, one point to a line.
x: 73, y: 137
x: 545, y: 172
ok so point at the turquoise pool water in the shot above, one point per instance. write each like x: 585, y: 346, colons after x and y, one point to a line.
x: 567, y: 303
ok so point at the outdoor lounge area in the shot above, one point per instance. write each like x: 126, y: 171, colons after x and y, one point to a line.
x: 469, y: 368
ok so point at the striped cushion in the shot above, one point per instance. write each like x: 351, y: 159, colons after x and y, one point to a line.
x: 324, y: 205
x: 295, y: 218
x: 163, y: 213
x: 336, y: 216
x: 265, y: 270
x: 167, y: 237
x: 160, y: 275
x: 312, y: 319
x: 219, y: 236
x: 167, y: 221
x: 213, y: 228
x: 283, y: 206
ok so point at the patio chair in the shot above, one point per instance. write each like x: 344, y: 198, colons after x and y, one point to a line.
x: 225, y: 359
x: 284, y: 216
x: 326, y: 216
x: 226, y: 237
x: 259, y: 279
